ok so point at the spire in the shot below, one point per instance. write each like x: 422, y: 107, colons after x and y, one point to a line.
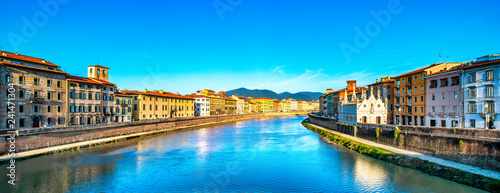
x: 354, y: 95
x: 363, y: 95
x: 378, y: 94
x: 371, y: 92
x: 345, y: 96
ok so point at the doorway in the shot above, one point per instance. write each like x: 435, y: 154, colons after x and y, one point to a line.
x: 36, y: 122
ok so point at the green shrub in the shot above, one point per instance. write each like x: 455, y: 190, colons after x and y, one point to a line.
x: 377, y: 132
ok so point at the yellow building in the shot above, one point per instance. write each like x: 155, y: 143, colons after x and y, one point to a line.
x: 266, y: 104
x: 217, y: 101
x: 246, y: 106
x: 159, y: 105
x: 230, y: 107
x: 285, y: 106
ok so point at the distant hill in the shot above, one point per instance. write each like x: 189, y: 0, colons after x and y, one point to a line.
x: 306, y: 96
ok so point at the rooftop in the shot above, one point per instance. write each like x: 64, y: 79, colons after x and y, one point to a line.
x: 25, y: 58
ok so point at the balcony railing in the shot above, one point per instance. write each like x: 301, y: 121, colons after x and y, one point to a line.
x: 453, y: 114
x: 37, y: 100
x: 442, y: 114
x: 432, y: 114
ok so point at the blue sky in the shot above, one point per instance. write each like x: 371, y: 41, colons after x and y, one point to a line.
x: 183, y: 46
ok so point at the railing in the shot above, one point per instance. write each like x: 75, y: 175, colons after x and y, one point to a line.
x: 432, y: 114
x: 443, y: 114
x: 37, y: 100
x: 453, y: 114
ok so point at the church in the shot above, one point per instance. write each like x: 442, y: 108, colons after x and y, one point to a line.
x: 367, y: 109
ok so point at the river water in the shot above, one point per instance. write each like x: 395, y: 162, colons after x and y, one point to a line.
x: 261, y: 155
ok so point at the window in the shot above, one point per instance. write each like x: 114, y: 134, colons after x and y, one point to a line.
x: 422, y: 88
x: 472, y: 77
x: 491, y: 107
x: 403, y: 80
x: 90, y: 96
x: 472, y: 107
x: 49, y: 109
x: 472, y: 92
x: 489, y: 75
x: 49, y: 95
x: 443, y: 110
x: 72, y: 95
x: 415, y: 89
x: 22, y: 122
x: 21, y: 94
x: 421, y: 98
x: 104, y: 72
x: 91, y: 70
x: 422, y: 77
x: 135, y: 107
x: 104, y: 97
x: 455, y: 81
x: 454, y: 123
x: 489, y: 91
x: 59, y: 84
x: 421, y: 109
x: 36, y: 81
x: 7, y: 78
x: 144, y: 107
x: 59, y: 96
x: 455, y: 95
x: 389, y: 97
x: 58, y: 109
x: 415, y: 78
x: 49, y: 82
x: 443, y: 82
x: 21, y: 108
x: 96, y: 109
x: 415, y: 109
x: 21, y: 80
x: 35, y: 108
x: 433, y: 97
x: 433, y: 84
x: 443, y: 96
x: 433, y: 109
x: 472, y: 123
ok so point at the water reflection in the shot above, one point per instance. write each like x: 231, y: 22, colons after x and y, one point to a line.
x: 263, y: 155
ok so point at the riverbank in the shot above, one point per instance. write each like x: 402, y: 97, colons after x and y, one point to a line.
x: 70, y: 140
x: 461, y: 173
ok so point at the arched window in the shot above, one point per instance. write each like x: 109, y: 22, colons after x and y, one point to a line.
x: 104, y: 72
x: 98, y: 71
x: 117, y: 101
x: 91, y: 70
x: 129, y: 102
x: 123, y: 101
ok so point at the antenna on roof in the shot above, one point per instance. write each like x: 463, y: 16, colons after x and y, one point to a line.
x: 441, y: 57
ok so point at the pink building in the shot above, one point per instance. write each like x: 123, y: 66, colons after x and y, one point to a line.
x: 443, y: 106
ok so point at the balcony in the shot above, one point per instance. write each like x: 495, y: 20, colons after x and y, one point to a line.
x: 38, y: 100
x: 443, y: 114
x: 453, y: 114
x: 432, y: 114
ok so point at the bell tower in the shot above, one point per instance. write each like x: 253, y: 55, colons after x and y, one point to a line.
x: 98, y: 72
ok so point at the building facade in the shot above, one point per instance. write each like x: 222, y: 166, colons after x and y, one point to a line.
x: 240, y: 104
x: 123, y: 107
x: 444, y: 98
x: 481, y: 80
x: 36, y: 88
x: 266, y: 104
x: 201, y: 105
x: 410, y: 94
x: 386, y: 87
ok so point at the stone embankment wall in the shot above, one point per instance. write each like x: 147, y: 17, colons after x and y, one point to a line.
x: 30, y: 139
x: 477, y: 147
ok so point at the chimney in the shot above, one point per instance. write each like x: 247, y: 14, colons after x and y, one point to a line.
x: 376, y: 80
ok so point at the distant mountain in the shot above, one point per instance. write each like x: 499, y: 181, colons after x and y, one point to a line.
x: 306, y: 96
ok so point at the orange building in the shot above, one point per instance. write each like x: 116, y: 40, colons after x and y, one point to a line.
x: 276, y: 105
x: 410, y: 94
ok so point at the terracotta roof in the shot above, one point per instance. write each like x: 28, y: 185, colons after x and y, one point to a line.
x: 262, y: 98
x: 31, y: 67
x: 167, y: 94
x: 451, y: 69
x: 17, y: 56
x: 123, y: 95
x: 197, y: 96
x: 239, y: 96
x: 81, y: 79
x: 102, y: 81
x: 98, y: 66
x: 417, y: 71
x: 479, y: 64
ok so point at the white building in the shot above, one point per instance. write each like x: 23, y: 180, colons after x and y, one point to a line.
x: 481, y: 80
x: 240, y: 104
x: 201, y: 105
x: 369, y: 109
x: 293, y: 105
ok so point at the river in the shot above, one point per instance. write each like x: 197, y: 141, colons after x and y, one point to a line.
x: 261, y: 155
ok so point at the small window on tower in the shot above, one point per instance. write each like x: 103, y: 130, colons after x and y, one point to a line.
x: 91, y: 70
x: 104, y: 72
